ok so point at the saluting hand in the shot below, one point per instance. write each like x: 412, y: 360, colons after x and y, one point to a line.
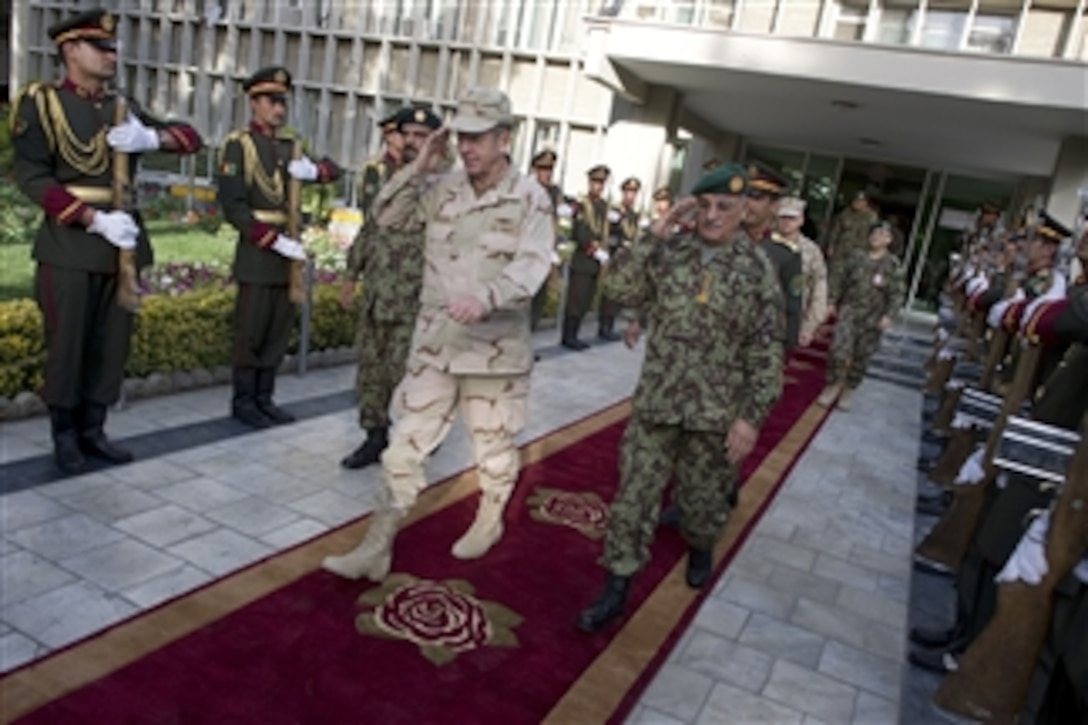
x: 434, y: 151
x: 662, y: 228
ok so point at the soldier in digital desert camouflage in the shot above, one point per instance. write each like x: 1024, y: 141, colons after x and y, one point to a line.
x: 712, y: 371
x: 489, y: 236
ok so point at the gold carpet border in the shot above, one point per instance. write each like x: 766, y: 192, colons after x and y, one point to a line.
x: 26, y: 690
x: 594, y: 697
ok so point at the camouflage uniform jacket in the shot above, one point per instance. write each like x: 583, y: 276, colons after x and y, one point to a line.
x: 375, y: 175
x: 814, y: 296
x: 850, y: 232
x: 870, y: 287
x: 714, y: 353
x: 495, y: 247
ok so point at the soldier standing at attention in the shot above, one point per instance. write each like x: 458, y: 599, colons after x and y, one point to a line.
x: 589, y: 234
x: 543, y: 169
x: 376, y: 172
x: 392, y: 278
x: 625, y: 231
x: 850, y: 230
x: 791, y: 216
x: 254, y: 164
x: 765, y: 188
x: 64, y: 148
x: 489, y: 236
x: 712, y: 371
x: 867, y: 290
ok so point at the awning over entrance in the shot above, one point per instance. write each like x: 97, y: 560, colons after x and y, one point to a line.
x: 927, y: 108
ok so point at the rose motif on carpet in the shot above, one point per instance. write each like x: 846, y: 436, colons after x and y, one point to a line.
x: 443, y: 618
x: 583, y: 511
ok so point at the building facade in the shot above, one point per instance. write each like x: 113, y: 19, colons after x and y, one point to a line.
x: 931, y: 107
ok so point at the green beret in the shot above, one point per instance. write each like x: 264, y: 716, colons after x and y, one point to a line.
x: 724, y: 179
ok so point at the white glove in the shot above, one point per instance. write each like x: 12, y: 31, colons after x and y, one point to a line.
x: 564, y: 211
x: 601, y: 256
x: 289, y: 248
x: 613, y: 216
x: 972, y: 472
x: 993, y: 318
x: 1028, y: 562
x: 555, y: 259
x: 117, y: 227
x: 133, y: 137
x: 1081, y: 571
x: 302, y: 169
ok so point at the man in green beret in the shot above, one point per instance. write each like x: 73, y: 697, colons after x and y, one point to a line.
x: 712, y: 371
x: 392, y: 276
x: 254, y: 167
x: 65, y: 146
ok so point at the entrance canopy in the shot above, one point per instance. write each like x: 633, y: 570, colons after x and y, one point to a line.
x: 975, y: 113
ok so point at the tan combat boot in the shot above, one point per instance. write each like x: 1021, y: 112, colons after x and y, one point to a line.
x: 486, y: 530
x: 373, y: 557
x: 827, y: 397
x: 844, y: 399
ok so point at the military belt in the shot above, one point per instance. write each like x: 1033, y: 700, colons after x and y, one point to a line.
x: 270, y: 217
x: 91, y: 194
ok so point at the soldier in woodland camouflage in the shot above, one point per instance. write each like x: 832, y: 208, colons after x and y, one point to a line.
x: 392, y: 272
x: 867, y: 290
x: 712, y: 371
x: 489, y: 235
x: 850, y: 230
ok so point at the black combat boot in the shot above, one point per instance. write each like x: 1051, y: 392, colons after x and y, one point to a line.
x: 92, y: 436
x: 244, y: 404
x: 66, y: 453
x: 607, y: 607
x: 570, y: 335
x: 700, y: 563
x: 370, y: 452
x: 606, y: 329
x: 266, y: 386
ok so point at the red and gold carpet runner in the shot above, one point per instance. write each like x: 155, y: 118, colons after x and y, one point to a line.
x: 442, y: 640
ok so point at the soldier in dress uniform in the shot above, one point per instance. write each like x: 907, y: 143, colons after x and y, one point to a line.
x: 589, y: 234
x: 489, y: 238
x: 254, y: 164
x: 64, y: 163
x: 376, y: 172
x: 866, y: 292
x: 543, y: 168
x: 765, y: 188
x: 850, y: 230
x: 392, y: 275
x: 625, y: 230
x: 713, y: 369
x: 791, y: 216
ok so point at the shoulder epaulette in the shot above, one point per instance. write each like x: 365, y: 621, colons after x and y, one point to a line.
x: 788, y: 243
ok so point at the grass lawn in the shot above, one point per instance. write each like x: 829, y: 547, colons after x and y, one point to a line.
x: 172, y: 244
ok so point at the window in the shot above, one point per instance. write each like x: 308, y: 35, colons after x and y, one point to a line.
x: 850, y: 23
x: 944, y: 24
x: 897, y: 21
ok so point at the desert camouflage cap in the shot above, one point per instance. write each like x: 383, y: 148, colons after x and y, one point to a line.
x: 480, y: 110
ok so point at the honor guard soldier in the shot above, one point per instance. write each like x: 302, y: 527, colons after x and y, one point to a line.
x: 90, y: 242
x: 392, y: 273
x: 764, y: 191
x: 254, y: 165
x: 375, y: 173
x: 543, y: 167
x: 590, y: 234
x: 625, y: 231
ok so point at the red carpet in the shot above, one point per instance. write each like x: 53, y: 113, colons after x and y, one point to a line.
x: 441, y: 640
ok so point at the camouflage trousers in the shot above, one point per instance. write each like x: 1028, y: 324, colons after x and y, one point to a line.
x: 650, y: 456
x: 494, y: 409
x: 383, y: 351
x: 856, y: 340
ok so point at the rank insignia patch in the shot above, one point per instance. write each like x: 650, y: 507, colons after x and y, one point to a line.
x: 228, y: 168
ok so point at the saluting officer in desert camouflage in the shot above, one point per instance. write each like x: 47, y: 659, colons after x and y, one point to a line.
x: 489, y: 237
x: 392, y: 275
x: 867, y: 290
x: 712, y: 371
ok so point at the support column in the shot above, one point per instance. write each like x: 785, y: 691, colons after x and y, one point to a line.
x: 1069, y: 177
x: 636, y: 135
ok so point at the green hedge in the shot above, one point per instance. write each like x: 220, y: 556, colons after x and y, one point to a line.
x: 183, y: 333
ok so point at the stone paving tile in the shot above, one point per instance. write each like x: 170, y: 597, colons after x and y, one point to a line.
x: 811, y: 692
x: 121, y: 565
x: 863, y: 670
x: 803, y: 583
x: 24, y: 575
x: 111, y: 503
x: 678, y: 692
x: 26, y: 508
x: 721, y: 618
x: 220, y: 551
x: 201, y: 494
x: 67, y: 613
x: 726, y: 661
x: 848, y: 628
x: 176, y: 582
x: 728, y: 704
x: 165, y: 525
x: 758, y: 597
x: 65, y: 536
x: 17, y: 649
x: 782, y: 640
x: 252, y: 515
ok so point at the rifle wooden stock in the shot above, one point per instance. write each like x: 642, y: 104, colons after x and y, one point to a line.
x: 939, y: 377
x: 942, y: 421
x: 297, y: 289
x: 974, y: 337
x: 128, y: 287
x: 956, y: 451
x: 995, y: 673
x: 951, y: 537
x: 999, y: 345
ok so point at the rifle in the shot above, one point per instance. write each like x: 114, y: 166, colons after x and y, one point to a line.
x: 948, y: 541
x: 994, y: 675
x: 297, y: 289
x: 128, y: 288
